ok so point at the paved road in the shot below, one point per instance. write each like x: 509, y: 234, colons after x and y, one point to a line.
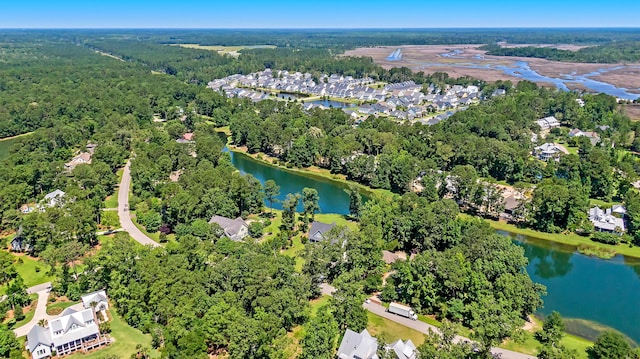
x: 422, y: 327
x: 123, y: 210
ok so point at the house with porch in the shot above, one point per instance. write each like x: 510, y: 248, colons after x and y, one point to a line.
x: 358, y: 346
x: 71, y: 332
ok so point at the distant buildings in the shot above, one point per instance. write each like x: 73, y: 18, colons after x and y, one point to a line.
x: 82, y: 158
x: 593, y: 137
x: 404, y: 100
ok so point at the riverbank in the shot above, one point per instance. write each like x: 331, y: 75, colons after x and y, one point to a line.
x: 312, y: 172
x: 573, y: 240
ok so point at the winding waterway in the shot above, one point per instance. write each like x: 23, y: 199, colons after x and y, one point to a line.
x: 522, y: 70
x: 606, y: 292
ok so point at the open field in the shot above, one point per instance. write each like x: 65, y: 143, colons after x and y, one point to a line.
x: 633, y: 111
x: 7, y: 142
x: 388, y: 332
x: 468, y: 60
x: 231, y: 50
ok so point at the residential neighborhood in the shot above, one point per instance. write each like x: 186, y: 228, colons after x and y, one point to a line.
x: 403, y: 101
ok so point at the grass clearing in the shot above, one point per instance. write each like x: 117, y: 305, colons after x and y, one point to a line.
x: 387, y: 331
x: 7, y: 142
x: 32, y: 270
x: 59, y: 307
x: 125, y: 340
x: 112, y: 200
x: 319, y: 303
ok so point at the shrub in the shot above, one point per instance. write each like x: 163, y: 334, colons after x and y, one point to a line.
x: 255, y: 229
x: 606, y: 238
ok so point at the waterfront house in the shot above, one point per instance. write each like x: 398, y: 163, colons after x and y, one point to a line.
x: 606, y: 221
x: 235, y: 229
x: 358, y: 346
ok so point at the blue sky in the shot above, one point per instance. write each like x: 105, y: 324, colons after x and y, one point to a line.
x: 316, y: 14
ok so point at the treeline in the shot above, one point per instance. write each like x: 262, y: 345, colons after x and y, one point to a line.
x: 606, y: 53
x: 342, y: 39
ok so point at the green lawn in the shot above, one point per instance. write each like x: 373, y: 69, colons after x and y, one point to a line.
x: 318, y: 303
x: 28, y: 315
x: 26, y: 267
x: 126, y: 339
x: 601, y: 203
x: 530, y: 345
x: 57, y: 308
x: 155, y: 236
x: 112, y: 200
x: 6, y: 143
x: 573, y: 240
x: 387, y: 331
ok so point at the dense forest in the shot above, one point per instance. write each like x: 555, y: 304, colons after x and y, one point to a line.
x: 251, y: 300
x: 605, y: 53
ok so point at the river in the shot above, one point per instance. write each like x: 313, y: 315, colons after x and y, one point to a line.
x: 583, y: 289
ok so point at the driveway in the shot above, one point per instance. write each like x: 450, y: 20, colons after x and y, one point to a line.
x: 123, y: 210
x: 41, y: 308
x: 420, y: 326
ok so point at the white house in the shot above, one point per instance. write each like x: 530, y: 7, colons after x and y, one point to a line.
x: 358, y: 346
x: 54, y: 198
x: 99, y: 297
x: 548, y: 123
x: 82, y: 158
x: 549, y: 150
x: 402, y: 350
x: 605, y: 221
x: 70, y: 332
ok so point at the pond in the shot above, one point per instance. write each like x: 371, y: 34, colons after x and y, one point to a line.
x: 333, y: 198
x: 592, y: 290
x: 332, y: 103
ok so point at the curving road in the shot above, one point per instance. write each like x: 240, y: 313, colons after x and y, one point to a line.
x: 420, y: 326
x: 123, y: 210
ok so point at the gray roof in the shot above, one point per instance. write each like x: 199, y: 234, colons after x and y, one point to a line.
x: 97, y: 296
x: 403, y: 350
x: 230, y: 226
x: 605, y: 220
x: 55, y: 194
x: 318, y: 230
x: 355, y: 345
x: 38, y: 335
x: 84, y: 327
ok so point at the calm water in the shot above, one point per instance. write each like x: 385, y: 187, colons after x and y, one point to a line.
x: 333, y: 198
x: 602, y: 291
x: 581, y: 287
x: 332, y: 103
